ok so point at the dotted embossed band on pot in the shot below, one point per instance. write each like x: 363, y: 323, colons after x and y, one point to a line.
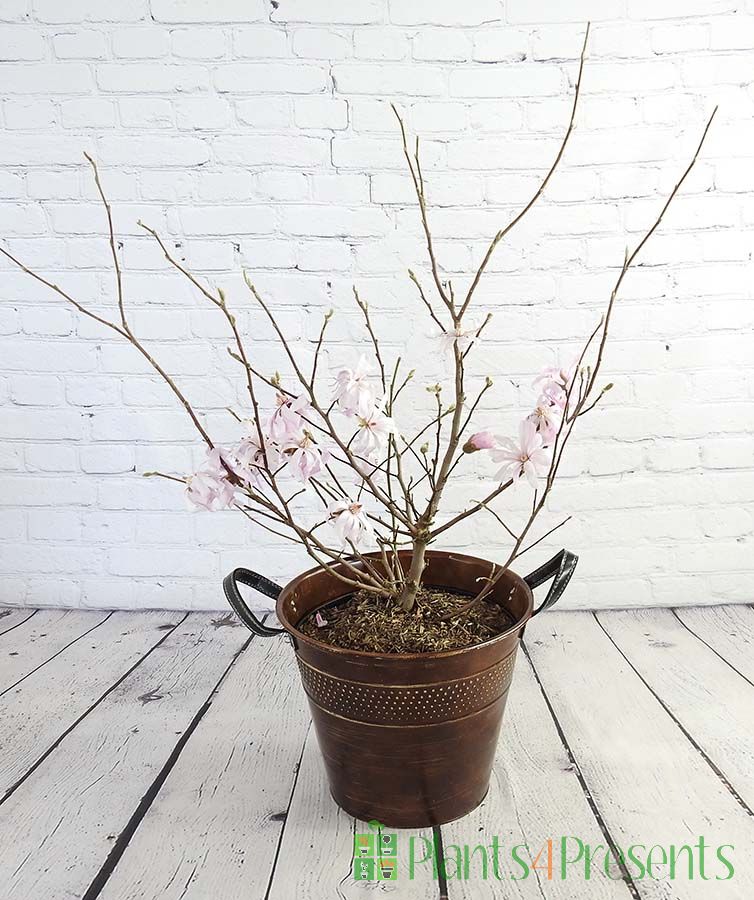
x: 424, y: 704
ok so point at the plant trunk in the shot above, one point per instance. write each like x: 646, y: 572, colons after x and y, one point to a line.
x: 407, y: 598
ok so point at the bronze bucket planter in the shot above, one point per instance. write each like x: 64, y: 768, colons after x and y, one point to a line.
x: 408, y: 738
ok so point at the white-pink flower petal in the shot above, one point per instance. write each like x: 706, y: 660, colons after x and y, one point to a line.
x: 350, y: 522
x: 374, y: 431
x: 209, y: 488
x: 353, y: 392
x: 525, y: 458
x: 287, y: 420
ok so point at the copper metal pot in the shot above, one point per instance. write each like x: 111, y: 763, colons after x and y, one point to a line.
x: 407, y: 738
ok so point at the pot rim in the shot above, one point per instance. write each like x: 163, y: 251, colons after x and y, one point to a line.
x: 370, y: 654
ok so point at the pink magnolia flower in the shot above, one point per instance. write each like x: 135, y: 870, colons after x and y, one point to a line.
x: 482, y: 440
x: 555, y: 381
x: 350, y: 521
x: 247, y: 460
x: 353, y: 393
x: 319, y: 619
x: 463, y: 339
x: 554, y: 395
x: 287, y: 419
x: 209, y: 488
x: 305, y: 458
x: 547, y: 417
x: 525, y: 458
x: 374, y: 431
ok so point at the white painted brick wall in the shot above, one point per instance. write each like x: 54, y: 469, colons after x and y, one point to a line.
x: 259, y: 134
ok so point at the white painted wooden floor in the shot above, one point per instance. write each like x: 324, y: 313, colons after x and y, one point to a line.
x: 163, y: 755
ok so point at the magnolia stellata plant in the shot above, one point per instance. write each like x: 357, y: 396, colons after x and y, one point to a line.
x: 380, y: 488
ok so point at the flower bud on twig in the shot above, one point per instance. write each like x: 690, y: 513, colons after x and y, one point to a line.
x: 482, y: 440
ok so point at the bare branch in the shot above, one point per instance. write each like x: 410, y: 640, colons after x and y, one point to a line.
x: 318, y: 348
x: 545, y: 536
x: 568, y: 422
x: 499, y: 519
x: 419, y: 190
x: 54, y: 287
x: 375, y: 343
x: 628, y: 262
x: 128, y: 335
x: 426, y: 302
x: 540, y: 190
x: 113, y: 249
x: 481, y: 504
x: 163, y: 475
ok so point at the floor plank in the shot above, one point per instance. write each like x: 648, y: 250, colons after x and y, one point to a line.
x: 42, y: 707
x: 316, y: 853
x: 728, y: 630
x: 650, y: 784
x: 535, y: 796
x: 39, y: 639
x: 317, y: 831
x: 57, y: 829
x: 213, y: 830
x: 12, y: 618
x: 628, y: 728
x: 704, y: 694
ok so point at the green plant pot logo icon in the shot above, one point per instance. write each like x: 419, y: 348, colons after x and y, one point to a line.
x: 363, y: 869
x: 388, y: 870
x: 363, y: 845
x: 388, y: 844
x: 374, y: 855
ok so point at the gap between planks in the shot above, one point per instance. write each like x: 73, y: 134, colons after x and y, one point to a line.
x: 701, y: 691
x: 60, y: 710
x: 39, y: 639
x: 215, y: 829
x: 125, y: 747
x: 12, y: 618
x: 625, y: 739
x: 98, y: 883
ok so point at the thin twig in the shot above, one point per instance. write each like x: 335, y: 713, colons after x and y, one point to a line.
x: 568, y: 422
x: 545, y: 536
x: 540, y: 190
x: 419, y: 190
x: 375, y: 343
x: 426, y: 302
x: 111, y: 238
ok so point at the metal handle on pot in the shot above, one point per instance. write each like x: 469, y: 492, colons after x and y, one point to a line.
x: 559, y: 568
x: 259, y: 583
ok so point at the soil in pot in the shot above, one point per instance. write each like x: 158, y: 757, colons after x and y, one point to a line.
x: 365, y: 621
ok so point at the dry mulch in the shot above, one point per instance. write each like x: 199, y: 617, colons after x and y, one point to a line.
x: 364, y: 621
